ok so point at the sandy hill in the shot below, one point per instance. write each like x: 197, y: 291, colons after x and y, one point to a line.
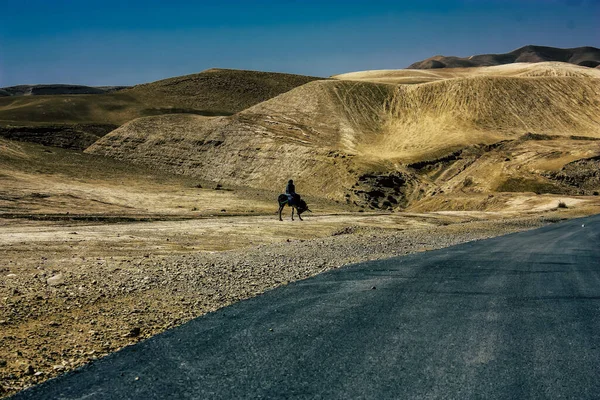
x: 412, y: 76
x: 584, y: 56
x: 56, y: 89
x: 371, y: 143
x: 212, y: 92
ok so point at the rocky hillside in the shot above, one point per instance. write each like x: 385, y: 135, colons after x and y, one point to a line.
x: 382, y: 145
x: 583, y: 56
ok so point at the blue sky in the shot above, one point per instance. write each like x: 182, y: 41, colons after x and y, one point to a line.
x: 128, y: 42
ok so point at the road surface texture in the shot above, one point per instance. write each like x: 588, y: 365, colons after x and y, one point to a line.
x: 513, y: 317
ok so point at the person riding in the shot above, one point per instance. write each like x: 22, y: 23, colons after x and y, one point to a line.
x: 290, y: 190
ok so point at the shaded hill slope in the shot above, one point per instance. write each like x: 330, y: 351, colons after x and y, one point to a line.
x: 359, y: 141
x: 213, y: 92
x: 584, y: 56
x: 72, y: 136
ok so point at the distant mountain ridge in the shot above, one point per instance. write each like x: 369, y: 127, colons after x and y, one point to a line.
x: 57, y: 89
x: 583, y: 56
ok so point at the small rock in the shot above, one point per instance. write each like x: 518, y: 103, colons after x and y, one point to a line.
x: 373, y: 287
x: 134, y: 332
x: 55, y: 280
x: 58, y: 367
x: 29, y: 370
x: 2, y: 363
x: 39, y: 373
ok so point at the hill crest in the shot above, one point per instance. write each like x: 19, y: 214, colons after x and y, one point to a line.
x: 515, y: 70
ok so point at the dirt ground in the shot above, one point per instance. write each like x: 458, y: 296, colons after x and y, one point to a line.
x: 71, y: 292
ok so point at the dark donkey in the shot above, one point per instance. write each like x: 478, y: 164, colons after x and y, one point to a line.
x: 299, y: 205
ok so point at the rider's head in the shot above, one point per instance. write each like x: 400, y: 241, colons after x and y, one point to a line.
x: 290, y: 181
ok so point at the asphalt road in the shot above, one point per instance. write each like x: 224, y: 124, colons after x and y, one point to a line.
x: 513, y: 317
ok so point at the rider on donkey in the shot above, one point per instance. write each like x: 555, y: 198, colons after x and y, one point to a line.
x: 292, y: 199
x: 290, y: 190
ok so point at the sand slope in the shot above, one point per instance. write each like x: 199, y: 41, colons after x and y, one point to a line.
x: 360, y: 141
x: 410, y: 76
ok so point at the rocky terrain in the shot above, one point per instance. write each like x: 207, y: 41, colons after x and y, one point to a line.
x: 98, y: 253
x: 59, y: 310
x: 170, y: 210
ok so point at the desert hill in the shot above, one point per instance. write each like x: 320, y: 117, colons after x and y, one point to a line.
x: 584, y: 56
x: 381, y: 144
x: 212, y: 92
x: 524, y: 70
x: 217, y: 91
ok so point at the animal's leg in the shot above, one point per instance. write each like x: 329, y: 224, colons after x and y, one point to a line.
x: 280, y: 209
x: 300, y: 217
x: 292, y: 213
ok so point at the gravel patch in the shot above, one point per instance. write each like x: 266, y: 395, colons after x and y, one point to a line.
x: 62, y: 315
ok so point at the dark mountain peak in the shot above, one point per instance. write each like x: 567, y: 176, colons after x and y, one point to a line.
x: 585, y: 56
